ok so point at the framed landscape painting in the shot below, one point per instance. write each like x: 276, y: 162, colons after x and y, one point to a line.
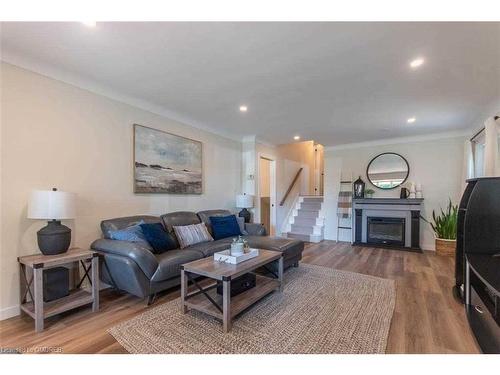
x: 166, y: 163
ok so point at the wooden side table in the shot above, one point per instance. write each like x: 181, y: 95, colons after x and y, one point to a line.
x: 37, y: 308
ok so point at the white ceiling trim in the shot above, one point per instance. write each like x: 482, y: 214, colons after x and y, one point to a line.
x: 60, y: 75
x: 393, y: 141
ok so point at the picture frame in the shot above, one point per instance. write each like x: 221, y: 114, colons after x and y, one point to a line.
x: 166, y: 163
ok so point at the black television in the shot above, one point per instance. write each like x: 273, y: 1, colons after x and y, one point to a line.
x: 477, y: 266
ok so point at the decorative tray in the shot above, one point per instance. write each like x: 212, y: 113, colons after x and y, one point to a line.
x: 226, y: 257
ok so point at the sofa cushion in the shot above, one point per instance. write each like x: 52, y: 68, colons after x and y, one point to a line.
x: 179, y: 218
x: 131, y: 234
x: 290, y: 247
x: 205, y: 216
x: 169, y: 263
x: 188, y: 235
x: 209, y: 248
x: 224, y: 226
x: 125, y: 222
x: 159, y: 239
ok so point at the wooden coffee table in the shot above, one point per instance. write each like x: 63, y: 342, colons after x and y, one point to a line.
x: 204, y: 298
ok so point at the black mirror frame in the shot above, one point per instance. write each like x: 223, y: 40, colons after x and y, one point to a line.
x: 388, y: 153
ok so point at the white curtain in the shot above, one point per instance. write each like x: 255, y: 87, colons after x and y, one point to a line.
x: 482, y: 154
x: 468, y: 168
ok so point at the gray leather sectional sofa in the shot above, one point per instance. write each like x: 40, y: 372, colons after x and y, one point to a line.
x: 130, y: 267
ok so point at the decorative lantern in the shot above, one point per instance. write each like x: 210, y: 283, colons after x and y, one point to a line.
x: 359, y: 188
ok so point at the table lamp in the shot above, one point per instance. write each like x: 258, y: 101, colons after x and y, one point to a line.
x: 54, y: 206
x: 244, y: 201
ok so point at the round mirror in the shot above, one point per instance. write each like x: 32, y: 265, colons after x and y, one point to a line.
x: 388, y: 170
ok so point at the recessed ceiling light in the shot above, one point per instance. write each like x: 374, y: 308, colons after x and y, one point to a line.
x: 411, y: 120
x: 296, y: 137
x: 414, y: 64
x: 243, y: 108
x: 90, y: 23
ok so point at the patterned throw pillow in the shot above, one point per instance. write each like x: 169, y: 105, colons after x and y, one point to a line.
x: 131, y: 234
x: 188, y: 235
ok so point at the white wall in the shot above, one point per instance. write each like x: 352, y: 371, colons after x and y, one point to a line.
x: 436, y: 164
x: 57, y: 135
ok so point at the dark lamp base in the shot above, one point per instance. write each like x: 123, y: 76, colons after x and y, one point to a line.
x: 54, y: 238
x: 244, y: 213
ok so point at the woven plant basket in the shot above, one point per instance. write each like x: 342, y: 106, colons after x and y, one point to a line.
x: 446, y: 247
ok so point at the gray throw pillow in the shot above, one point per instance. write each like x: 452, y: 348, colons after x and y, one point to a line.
x: 131, y: 234
x: 241, y: 224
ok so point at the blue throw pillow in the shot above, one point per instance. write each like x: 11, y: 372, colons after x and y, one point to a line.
x: 131, y: 234
x: 224, y: 226
x: 159, y: 239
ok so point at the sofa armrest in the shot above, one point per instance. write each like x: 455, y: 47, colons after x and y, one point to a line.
x: 255, y: 229
x: 144, y: 258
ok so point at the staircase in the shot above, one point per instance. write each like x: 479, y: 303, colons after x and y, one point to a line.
x: 307, y: 220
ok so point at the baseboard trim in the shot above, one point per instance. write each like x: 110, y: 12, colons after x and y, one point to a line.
x: 9, y: 312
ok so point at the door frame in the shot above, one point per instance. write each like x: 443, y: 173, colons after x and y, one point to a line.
x: 318, y: 171
x: 272, y: 190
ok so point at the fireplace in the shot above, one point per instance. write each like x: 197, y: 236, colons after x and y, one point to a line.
x: 386, y: 230
x: 383, y: 222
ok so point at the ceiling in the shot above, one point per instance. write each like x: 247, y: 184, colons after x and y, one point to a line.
x: 334, y: 83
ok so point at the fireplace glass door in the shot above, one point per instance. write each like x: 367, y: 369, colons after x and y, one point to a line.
x: 386, y: 230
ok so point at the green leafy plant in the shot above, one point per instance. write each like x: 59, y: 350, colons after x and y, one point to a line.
x: 444, y: 225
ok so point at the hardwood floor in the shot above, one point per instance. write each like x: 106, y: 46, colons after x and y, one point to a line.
x: 426, y: 319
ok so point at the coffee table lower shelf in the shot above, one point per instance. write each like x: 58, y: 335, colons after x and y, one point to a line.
x: 205, y: 298
x: 264, y: 285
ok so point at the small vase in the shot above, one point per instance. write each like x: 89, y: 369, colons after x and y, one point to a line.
x: 237, y: 248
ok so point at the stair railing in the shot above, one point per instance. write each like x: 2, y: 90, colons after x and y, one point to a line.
x: 291, y: 187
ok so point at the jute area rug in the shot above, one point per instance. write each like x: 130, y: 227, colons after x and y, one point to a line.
x: 321, y: 310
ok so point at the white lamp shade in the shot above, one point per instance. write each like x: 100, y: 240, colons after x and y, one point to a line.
x: 51, y: 205
x: 244, y: 201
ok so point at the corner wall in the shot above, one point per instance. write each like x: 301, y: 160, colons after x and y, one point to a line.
x: 58, y: 135
x: 436, y: 164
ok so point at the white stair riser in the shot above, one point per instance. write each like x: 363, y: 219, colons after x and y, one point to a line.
x: 305, y: 237
x: 306, y: 229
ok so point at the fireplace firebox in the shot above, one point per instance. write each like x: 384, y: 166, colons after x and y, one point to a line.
x: 386, y: 230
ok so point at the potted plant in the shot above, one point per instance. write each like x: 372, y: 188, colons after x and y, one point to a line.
x: 369, y: 193
x: 444, y: 226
